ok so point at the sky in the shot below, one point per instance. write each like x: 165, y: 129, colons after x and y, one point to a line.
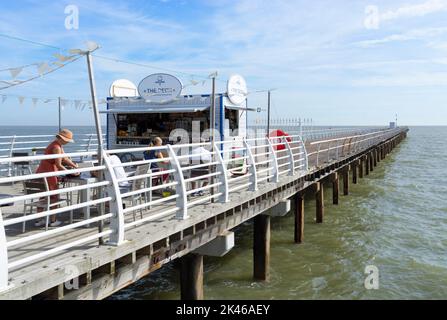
x: 339, y: 62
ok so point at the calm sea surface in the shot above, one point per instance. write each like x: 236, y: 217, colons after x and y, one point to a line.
x: 394, y: 219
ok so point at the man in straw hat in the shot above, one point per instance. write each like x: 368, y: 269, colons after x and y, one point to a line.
x: 53, y: 165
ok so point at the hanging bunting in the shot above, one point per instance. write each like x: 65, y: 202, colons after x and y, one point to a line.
x: 62, y: 58
x: 15, y: 72
x: 77, y: 104
x: 57, y: 63
x: 42, y: 68
x: 4, y: 99
x: 35, y: 100
x: 21, y: 100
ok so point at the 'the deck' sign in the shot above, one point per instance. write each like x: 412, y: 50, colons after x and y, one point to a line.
x: 160, y: 88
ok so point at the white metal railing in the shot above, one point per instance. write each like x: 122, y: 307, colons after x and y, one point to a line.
x: 310, y: 134
x: 33, y: 144
x: 129, y: 194
x: 325, y: 151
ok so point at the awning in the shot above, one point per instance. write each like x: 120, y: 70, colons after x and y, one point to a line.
x: 186, y: 109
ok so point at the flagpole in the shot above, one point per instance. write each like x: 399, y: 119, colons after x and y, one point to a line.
x: 60, y: 114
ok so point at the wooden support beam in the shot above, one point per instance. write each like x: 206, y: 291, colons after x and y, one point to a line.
x: 374, y: 157
x: 361, y: 168
x: 299, y: 218
x: 261, y: 248
x: 366, y: 165
x: 346, y: 182
x: 319, y: 197
x: 354, y: 173
x: 371, y: 162
x: 191, y: 277
x: 335, y: 189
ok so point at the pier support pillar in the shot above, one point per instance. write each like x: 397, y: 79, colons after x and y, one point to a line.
x: 299, y: 218
x: 261, y: 247
x: 335, y: 189
x: 366, y: 165
x: 375, y: 157
x: 371, y: 162
x: 319, y: 197
x: 361, y: 168
x: 191, y: 277
x: 346, y: 182
x: 354, y: 173
x: 378, y: 155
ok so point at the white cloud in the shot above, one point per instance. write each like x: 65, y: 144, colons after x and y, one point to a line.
x: 416, y: 10
x: 416, y: 34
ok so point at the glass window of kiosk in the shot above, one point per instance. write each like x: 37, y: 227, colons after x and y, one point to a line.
x: 141, y: 129
x: 233, y: 119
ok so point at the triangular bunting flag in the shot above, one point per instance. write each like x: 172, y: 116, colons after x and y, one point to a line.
x: 4, y: 99
x: 35, y: 100
x: 59, y: 64
x: 62, y: 58
x: 15, y: 72
x: 42, y: 68
x: 21, y: 100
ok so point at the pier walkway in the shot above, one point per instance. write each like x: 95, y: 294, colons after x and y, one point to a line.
x: 119, y: 228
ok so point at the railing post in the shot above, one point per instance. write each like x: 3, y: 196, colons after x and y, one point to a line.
x: 116, y: 204
x: 222, y: 178
x: 3, y: 256
x: 291, y: 158
x: 318, y: 154
x: 306, y: 157
x: 252, y: 168
x: 275, y: 170
x: 329, y: 152
x: 180, y: 188
x: 11, y: 150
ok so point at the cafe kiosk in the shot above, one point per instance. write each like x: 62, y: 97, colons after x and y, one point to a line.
x: 135, y: 116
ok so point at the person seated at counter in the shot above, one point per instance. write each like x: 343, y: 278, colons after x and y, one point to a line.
x: 156, y: 154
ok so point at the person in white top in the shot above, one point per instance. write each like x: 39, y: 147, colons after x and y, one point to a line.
x: 119, y: 170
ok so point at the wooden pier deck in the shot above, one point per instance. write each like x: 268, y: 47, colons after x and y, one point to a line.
x: 94, y: 271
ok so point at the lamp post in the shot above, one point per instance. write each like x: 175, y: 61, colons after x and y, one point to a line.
x: 98, y: 130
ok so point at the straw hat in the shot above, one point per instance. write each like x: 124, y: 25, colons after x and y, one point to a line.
x: 65, y: 135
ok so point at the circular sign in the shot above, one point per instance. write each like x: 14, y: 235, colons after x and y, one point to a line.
x: 160, y: 88
x: 123, y: 88
x: 237, y: 89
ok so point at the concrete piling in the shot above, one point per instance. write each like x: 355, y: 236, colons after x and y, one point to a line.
x: 261, y: 248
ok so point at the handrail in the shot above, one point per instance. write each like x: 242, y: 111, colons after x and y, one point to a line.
x: 256, y: 169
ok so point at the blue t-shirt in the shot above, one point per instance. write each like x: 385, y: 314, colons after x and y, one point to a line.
x: 152, y: 155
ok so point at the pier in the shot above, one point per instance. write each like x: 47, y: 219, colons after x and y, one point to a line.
x: 118, y: 230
